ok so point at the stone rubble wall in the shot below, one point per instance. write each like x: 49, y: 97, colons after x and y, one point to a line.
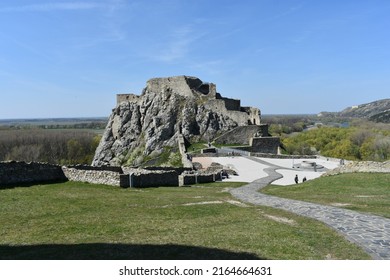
x: 361, y: 166
x: 13, y: 172
x: 127, y: 177
x: 92, y: 176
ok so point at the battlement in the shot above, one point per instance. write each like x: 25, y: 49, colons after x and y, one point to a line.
x: 192, y: 87
x: 232, y: 104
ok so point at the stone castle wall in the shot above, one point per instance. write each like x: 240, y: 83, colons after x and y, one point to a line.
x: 268, y: 145
x: 241, y: 118
x: 232, y: 104
x: 13, y: 172
x: 242, y: 134
x: 233, y: 109
x: 254, y: 115
x: 188, y: 86
x: 182, y: 85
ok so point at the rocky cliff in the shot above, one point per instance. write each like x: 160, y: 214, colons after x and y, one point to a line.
x: 145, y: 127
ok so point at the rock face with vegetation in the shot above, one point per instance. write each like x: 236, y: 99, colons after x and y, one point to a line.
x: 378, y: 111
x: 144, y: 128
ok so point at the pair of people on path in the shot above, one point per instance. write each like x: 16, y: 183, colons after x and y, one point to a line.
x: 297, y: 180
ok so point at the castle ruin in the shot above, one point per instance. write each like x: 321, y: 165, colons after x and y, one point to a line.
x: 144, y: 126
x: 188, y: 87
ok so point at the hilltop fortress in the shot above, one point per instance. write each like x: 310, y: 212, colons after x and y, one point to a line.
x: 147, y: 126
x: 188, y: 87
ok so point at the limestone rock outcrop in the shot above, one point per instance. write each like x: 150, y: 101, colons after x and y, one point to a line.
x: 377, y: 111
x: 143, y: 126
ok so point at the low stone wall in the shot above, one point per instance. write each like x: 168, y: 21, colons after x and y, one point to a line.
x: 186, y: 179
x: 92, y: 175
x: 124, y: 177
x: 183, y: 151
x: 178, y: 170
x: 361, y: 166
x: 117, y: 169
x: 12, y: 173
x: 141, y: 178
x: 263, y: 155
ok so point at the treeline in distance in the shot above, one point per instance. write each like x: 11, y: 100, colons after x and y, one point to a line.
x: 56, y: 146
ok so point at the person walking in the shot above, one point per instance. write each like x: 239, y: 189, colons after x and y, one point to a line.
x: 296, y: 179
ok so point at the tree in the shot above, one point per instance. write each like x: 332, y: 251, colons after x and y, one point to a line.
x: 367, y: 149
x: 382, y: 148
x: 75, y: 151
x: 360, y: 136
x: 25, y: 153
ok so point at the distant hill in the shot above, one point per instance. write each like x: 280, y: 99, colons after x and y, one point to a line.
x: 378, y: 111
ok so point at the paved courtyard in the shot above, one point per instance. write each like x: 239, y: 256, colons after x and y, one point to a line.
x: 249, y: 170
x: 370, y: 232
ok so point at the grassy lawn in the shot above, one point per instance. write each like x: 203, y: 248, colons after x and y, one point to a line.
x: 83, y: 221
x: 364, y: 192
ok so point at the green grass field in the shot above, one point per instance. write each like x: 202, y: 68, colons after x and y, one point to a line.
x: 364, y: 192
x: 82, y: 221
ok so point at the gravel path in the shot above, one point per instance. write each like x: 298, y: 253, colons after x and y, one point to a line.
x: 370, y: 232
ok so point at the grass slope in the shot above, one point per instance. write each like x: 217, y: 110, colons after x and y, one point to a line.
x: 82, y: 221
x: 364, y: 192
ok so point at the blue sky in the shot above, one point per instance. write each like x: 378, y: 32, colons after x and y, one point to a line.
x: 70, y: 58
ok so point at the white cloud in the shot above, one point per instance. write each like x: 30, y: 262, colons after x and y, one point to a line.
x: 178, y: 44
x: 177, y: 47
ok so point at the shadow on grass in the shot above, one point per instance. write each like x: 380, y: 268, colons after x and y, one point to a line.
x: 105, y: 251
x: 31, y: 184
